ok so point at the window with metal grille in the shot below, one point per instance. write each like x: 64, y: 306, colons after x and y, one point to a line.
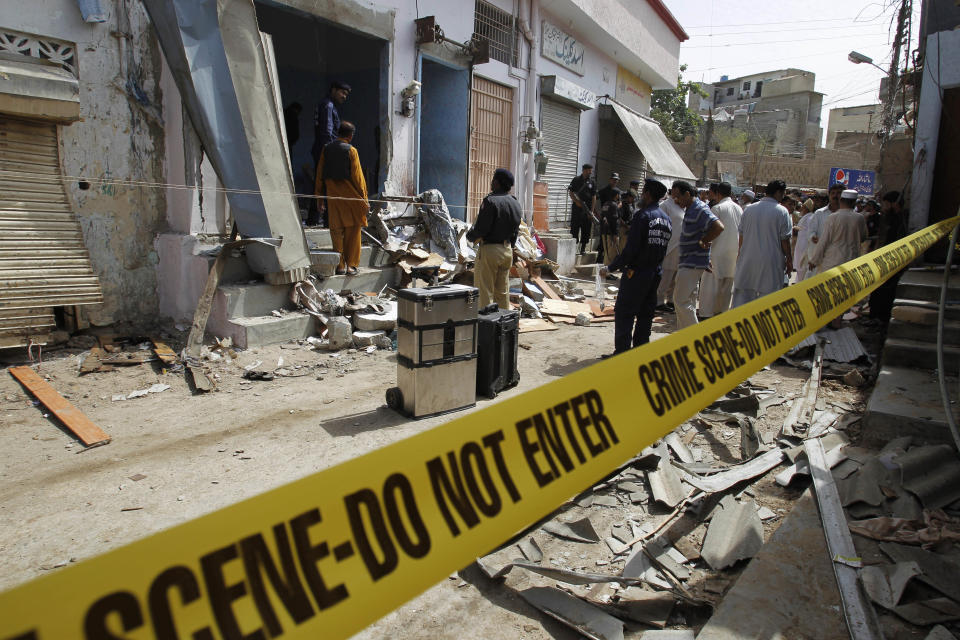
x: 500, y: 29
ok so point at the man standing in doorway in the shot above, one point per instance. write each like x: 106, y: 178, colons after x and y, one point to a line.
x: 697, y: 233
x: 583, y: 196
x: 326, y: 125
x: 340, y: 182
x: 640, y: 261
x: 716, y: 287
x: 765, y: 256
x: 496, y: 228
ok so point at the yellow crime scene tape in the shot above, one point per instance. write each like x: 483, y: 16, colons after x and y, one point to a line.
x: 324, y: 556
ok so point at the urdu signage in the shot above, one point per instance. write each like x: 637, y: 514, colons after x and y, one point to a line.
x: 561, y: 47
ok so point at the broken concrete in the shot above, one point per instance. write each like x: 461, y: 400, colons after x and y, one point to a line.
x: 575, y: 613
x: 735, y: 533
x: 339, y: 333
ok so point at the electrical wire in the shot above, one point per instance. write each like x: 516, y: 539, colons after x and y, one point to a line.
x: 761, y: 42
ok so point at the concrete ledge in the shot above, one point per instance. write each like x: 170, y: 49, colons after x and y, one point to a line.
x: 917, y: 354
x: 906, y: 402
x: 260, y: 331
x: 368, y: 280
x: 562, y: 249
x: 926, y: 285
x: 924, y: 332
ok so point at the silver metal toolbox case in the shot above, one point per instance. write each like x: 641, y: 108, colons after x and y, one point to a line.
x: 436, y: 350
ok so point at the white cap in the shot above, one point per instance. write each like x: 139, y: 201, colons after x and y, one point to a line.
x: 849, y: 194
x: 750, y: 194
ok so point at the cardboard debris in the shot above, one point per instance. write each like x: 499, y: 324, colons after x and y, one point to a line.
x: 735, y: 533
x: 575, y: 613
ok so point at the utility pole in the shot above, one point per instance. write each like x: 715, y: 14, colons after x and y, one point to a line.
x: 707, y: 136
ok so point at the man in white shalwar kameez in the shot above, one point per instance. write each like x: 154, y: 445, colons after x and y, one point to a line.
x: 716, y: 286
x: 842, y: 234
x: 765, y: 257
x: 817, y: 219
x: 665, y: 291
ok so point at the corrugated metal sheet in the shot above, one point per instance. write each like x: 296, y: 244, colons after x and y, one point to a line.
x: 43, y: 261
x: 561, y: 142
x: 660, y: 155
x: 491, y: 121
x: 18, y: 326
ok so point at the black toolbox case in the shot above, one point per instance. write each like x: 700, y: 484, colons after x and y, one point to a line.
x: 498, y: 337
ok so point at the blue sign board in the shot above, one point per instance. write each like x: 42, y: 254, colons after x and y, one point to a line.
x: 862, y: 181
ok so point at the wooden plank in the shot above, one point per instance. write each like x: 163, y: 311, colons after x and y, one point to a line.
x: 597, y: 312
x: 546, y: 288
x: 564, y: 307
x: 164, y: 352
x: 71, y: 417
x: 529, y: 325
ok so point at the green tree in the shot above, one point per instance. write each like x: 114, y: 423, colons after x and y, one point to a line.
x: 669, y: 108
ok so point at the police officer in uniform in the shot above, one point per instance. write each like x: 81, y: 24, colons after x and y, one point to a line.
x: 640, y: 261
x: 496, y: 228
x: 583, y: 196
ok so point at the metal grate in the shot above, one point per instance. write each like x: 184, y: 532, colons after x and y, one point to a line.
x: 500, y: 29
x: 491, y: 120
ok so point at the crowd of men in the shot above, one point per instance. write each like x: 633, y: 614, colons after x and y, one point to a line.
x: 698, y: 253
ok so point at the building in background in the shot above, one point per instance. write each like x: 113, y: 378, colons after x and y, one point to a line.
x: 138, y: 202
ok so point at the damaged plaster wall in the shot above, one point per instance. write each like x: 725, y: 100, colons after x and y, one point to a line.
x: 119, y: 136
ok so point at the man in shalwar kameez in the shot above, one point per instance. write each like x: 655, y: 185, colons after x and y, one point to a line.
x: 340, y: 180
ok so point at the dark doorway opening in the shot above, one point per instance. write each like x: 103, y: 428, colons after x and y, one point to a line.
x: 444, y: 133
x: 310, y: 54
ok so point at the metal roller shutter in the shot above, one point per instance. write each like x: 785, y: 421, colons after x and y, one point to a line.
x: 43, y: 260
x: 561, y: 142
x: 623, y: 157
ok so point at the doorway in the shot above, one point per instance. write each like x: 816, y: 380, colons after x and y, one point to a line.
x: 310, y: 54
x: 491, y: 126
x: 444, y: 111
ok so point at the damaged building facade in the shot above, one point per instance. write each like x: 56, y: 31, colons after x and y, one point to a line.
x: 123, y: 211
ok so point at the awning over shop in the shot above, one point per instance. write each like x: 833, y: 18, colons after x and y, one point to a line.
x: 660, y: 155
x: 32, y: 88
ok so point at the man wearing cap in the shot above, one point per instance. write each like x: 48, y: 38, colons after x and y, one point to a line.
x: 583, y: 196
x: 765, y: 256
x: 326, y: 125
x: 697, y: 233
x: 496, y: 229
x: 817, y: 220
x: 340, y: 180
x: 640, y: 261
x: 842, y: 234
x: 716, y: 286
x: 747, y: 197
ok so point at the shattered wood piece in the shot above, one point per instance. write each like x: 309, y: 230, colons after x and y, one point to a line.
x: 164, y: 352
x: 72, y: 418
x: 725, y: 479
x: 578, y: 531
x: 665, y: 484
x: 564, y: 308
x: 674, y: 442
x: 93, y: 361
x: 597, y: 311
x: 735, y: 533
x: 885, y: 584
x: 530, y: 549
x: 801, y: 413
x: 575, y: 613
x: 859, y: 615
x: 548, y: 291
x: 199, y: 378
x: 529, y: 325
x: 646, y: 607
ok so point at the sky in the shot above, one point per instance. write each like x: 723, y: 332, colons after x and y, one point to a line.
x: 740, y: 37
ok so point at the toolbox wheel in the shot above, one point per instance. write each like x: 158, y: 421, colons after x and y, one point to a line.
x: 395, y: 398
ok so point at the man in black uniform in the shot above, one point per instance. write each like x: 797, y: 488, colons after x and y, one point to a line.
x: 891, y: 227
x: 640, y: 261
x: 583, y: 193
x: 609, y: 201
x: 496, y: 228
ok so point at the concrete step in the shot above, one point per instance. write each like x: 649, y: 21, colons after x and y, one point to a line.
x: 259, y: 331
x: 925, y: 285
x: 906, y: 402
x: 251, y: 299
x: 319, y: 237
x: 925, y: 310
x: 918, y: 355
x: 924, y: 332
x: 588, y: 257
x: 369, y: 279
